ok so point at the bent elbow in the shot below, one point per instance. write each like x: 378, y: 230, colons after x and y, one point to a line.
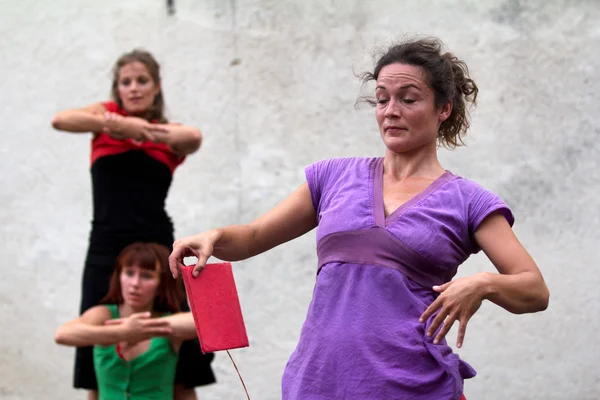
x: 59, y: 337
x: 197, y: 135
x: 57, y: 122
x: 538, y: 302
x: 544, y: 299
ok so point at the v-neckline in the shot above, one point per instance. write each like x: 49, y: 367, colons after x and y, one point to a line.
x: 379, y: 210
x: 143, y: 353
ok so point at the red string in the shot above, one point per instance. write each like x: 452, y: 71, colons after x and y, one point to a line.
x: 238, y: 372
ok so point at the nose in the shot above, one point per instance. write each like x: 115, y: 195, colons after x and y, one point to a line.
x: 134, y: 86
x: 135, y: 280
x: 393, y: 109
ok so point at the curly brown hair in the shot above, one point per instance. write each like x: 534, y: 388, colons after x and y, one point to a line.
x: 446, y: 75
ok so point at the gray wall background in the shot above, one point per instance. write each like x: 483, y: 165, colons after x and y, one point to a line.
x: 272, y: 86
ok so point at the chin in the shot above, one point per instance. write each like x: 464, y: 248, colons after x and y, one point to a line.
x: 136, y: 303
x: 399, y: 146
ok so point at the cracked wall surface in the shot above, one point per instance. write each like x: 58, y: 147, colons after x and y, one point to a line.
x: 272, y: 84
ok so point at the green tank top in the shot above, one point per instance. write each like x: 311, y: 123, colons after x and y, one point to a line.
x: 149, y: 376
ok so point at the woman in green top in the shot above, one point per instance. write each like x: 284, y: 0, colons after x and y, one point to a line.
x: 135, y: 353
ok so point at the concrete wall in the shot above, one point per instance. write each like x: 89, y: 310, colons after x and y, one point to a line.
x: 271, y: 84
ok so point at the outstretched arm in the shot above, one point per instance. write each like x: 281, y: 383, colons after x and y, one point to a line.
x: 291, y: 218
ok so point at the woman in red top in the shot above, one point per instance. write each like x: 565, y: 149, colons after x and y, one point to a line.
x: 135, y: 151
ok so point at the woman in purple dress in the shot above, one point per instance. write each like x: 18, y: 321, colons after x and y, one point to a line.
x: 391, y: 233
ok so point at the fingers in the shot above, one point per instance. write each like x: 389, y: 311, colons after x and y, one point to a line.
x: 159, y: 128
x: 199, y: 246
x: 447, y: 324
x: 202, y: 259
x: 156, y: 323
x: 437, y: 321
x: 175, y: 259
x: 117, y: 321
x: 160, y: 331
x: 143, y: 314
x: 462, y: 330
x: 180, y: 251
x: 159, y: 135
x: 157, y: 327
x: 431, y: 310
x: 147, y: 136
x: 441, y: 288
x: 111, y: 118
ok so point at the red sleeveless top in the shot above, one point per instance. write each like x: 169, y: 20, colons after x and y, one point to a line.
x: 104, y: 145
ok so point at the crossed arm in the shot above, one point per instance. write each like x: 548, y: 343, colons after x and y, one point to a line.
x: 94, y: 118
x: 95, y: 327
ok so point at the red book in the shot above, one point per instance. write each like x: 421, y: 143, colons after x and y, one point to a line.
x: 216, y: 307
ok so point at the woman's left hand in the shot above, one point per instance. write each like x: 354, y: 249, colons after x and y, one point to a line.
x: 458, y: 301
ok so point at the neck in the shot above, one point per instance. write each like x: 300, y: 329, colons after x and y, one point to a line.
x: 418, y: 163
x: 126, y: 310
x: 144, y: 114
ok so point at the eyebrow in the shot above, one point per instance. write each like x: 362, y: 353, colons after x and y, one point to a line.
x: 407, y: 86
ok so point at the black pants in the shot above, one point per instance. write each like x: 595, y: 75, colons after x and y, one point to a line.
x: 193, y: 367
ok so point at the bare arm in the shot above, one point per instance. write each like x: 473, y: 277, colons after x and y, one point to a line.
x: 291, y: 218
x: 182, y: 326
x: 182, y: 140
x: 520, y: 287
x: 288, y: 220
x: 87, y: 119
x: 91, y: 329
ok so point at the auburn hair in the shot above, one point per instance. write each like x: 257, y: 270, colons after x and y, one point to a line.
x: 151, y: 256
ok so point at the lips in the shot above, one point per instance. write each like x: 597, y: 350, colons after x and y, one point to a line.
x: 392, y: 129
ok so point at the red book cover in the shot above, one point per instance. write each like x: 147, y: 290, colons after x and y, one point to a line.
x: 216, y: 307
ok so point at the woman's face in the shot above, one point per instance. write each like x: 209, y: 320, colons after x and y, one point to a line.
x: 406, y: 113
x: 139, y: 286
x: 136, y: 88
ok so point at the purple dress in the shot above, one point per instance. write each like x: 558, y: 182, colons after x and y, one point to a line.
x: 362, y: 338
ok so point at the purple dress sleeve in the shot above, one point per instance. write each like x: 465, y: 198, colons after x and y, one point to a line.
x: 318, y: 176
x: 312, y: 178
x: 482, y: 204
